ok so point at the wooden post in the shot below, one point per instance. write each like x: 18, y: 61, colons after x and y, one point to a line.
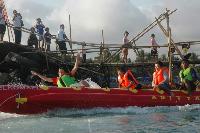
x: 70, y: 30
x: 102, y: 47
x: 70, y: 36
x: 102, y: 37
x: 46, y: 57
x: 169, y: 47
x: 170, y: 58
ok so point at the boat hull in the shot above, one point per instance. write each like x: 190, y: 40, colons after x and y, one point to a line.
x: 33, y: 99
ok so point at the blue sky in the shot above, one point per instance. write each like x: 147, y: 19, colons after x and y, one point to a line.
x: 89, y: 17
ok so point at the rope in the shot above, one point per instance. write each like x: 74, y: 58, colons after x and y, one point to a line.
x: 1, y: 104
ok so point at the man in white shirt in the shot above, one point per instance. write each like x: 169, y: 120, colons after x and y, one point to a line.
x: 18, y: 23
x: 2, y: 25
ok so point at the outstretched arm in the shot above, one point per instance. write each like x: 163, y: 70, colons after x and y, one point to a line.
x: 42, y: 77
x: 76, y: 65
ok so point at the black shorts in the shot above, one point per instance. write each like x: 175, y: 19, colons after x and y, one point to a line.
x: 62, y: 46
x: 2, y: 29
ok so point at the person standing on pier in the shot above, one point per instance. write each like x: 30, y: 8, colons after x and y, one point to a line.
x: 32, y: 40
x: 47, y: 39
x: 40, y: 30
x: 17, y: 23
x: 125, y: 47
x: 154, y: 45
x: 2, y: 25
x: 61, y: 39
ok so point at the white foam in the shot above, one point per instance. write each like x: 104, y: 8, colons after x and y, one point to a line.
x: 8, y: 115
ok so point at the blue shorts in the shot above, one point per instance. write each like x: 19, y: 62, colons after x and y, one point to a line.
x: 164, y: 86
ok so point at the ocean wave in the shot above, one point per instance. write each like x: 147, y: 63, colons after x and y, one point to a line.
x: 118, y: 111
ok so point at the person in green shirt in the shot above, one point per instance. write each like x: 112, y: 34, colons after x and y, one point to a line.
x: 65, y: 79
x: 188, y: 76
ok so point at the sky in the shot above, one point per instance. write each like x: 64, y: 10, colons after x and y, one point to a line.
x: 89, y: 17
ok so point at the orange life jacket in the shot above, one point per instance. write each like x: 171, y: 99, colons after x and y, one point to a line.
x: 158, y: 75
x: 121, y: 81
x: 128, y: 81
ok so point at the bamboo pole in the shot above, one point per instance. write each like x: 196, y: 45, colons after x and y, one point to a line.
x: 169, y: 46
x: 170, y: 58
x: 103, y: 41
x: 70, y: 35
x: 70, y: 31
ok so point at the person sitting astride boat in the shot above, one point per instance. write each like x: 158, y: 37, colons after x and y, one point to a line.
x: 32, y: 40
x: 160, y: 81
x: 65, y: 79
x: 127, y: 80
x: 188, y: 76
x: 125, y: 47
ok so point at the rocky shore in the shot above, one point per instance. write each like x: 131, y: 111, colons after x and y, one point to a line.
x: 16, y: 62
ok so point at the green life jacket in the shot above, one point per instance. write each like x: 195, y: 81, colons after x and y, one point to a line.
x: 66, y: 81
x: 186, y: 74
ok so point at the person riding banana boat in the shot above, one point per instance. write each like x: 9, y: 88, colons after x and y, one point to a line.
x: 66, y: 78
x: 160, y: 81
x: 188, y: 76
x: 126, y: 80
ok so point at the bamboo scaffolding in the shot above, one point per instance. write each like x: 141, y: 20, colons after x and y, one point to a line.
x: 166, y: 33
x: 152, y: 25
x: 148, y: 28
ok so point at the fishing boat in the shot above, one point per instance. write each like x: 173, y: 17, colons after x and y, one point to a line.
x: 22, y: 99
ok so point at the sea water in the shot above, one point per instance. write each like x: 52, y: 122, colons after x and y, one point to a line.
x: 184, y: 119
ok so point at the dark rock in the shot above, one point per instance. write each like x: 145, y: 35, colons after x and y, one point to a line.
x: 4, y: 78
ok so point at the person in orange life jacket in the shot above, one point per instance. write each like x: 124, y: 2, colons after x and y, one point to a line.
x: 161, y: 78
x: 127, y: 80
x: 121, y: 72
x: 65, y: 79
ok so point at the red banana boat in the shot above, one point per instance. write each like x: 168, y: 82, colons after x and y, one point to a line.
x: 22, y: 99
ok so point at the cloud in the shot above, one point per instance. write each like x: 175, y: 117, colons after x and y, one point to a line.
x: 89, y: 17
